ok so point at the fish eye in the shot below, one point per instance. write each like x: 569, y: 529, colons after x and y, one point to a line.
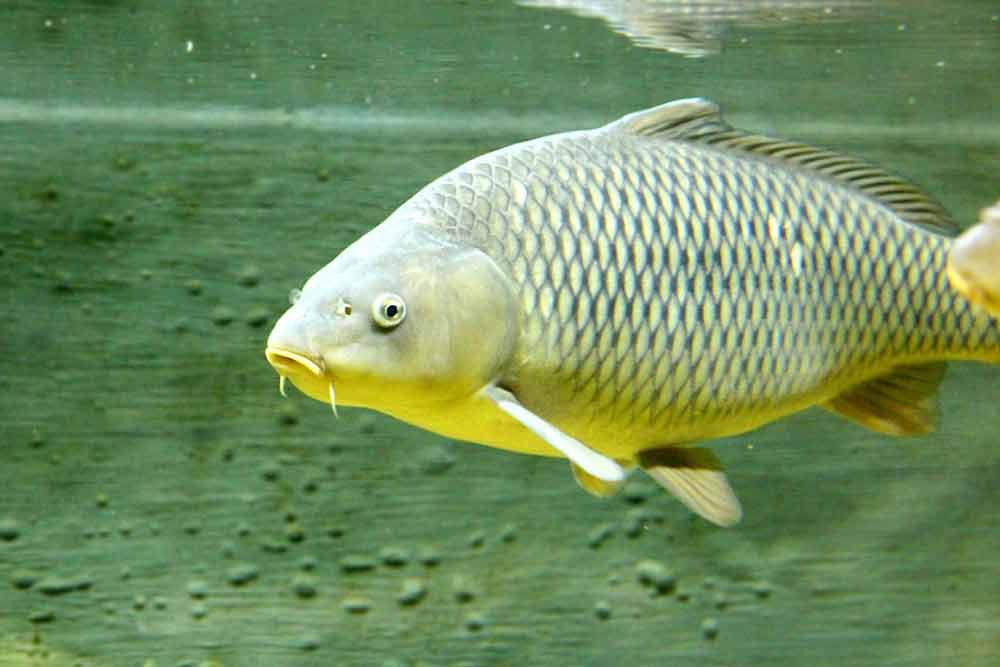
x: 388, y: 310
x: 294, y: 296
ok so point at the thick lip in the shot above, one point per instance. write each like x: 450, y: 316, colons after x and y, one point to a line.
x: 287, y: 362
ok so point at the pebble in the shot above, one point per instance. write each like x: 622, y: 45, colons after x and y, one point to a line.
x: 600, y: 535
x: 414, y: 590
x: 637, y: 491
x: 223, y: 316
x: 159, y: 603
x: 308, y: 643
x: 475, y: 621
x: 602, y: 610
x: 139, y: 602
x: 477, y: 539
x: 249, y: 276
x: 762, y: 590
x: 295, y: 533
x: 194, y: 287
x: 436, y: 460
x: 199, y: 610
x: 720, y: 601
x: 655, y: 574
x: 710, y: 628
x: 63, y: 585
x: 429, y: 557
x: 394, y: 556
x: 304, y: 586
x: 197, y: 589
x: 44, y: 616
x: 102, y: 500
x: 465, y: 590
x: 288, y: 414
x: 9, y: 530
x: 355, y: 563
x: 508, y: 534
x: 23, y: 579
x: 307, y: 563
x: 258, y: 317
x: 356, y: 605
x: 242, y: 574
x: 270, y: 471
x: 243, y: 529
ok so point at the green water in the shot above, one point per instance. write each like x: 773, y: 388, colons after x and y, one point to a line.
x: 170, y: 171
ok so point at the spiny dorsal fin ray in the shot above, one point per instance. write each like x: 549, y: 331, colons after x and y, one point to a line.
x: 695, y: 477
x: 699, y: 120
x: 899, y: 403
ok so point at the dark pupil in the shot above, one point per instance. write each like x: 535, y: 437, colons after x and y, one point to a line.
x: 391, y: 311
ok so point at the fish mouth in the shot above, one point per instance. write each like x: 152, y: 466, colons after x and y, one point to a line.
x: 289, y: 364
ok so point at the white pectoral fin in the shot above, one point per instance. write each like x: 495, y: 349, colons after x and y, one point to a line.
x: 584, y: 457
x: 695, y: 477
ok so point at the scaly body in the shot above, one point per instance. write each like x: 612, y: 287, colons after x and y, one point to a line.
x: 653, y: 283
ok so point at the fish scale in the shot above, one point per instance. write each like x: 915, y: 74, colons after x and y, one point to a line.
x: 698, y: 290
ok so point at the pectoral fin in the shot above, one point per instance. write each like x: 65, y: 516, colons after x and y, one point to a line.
x: 593, y: 485
x: 695, y: 477
x: 590, y: 461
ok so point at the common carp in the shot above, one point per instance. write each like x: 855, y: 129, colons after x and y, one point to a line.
x: 616, y: 296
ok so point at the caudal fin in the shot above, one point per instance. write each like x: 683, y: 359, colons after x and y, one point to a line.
x: 974, y: 262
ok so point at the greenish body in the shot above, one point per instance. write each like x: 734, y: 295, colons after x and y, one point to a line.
x: 672, y: 291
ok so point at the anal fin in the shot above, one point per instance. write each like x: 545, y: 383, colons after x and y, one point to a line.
x: 899, y: 403
x: 694, y: 475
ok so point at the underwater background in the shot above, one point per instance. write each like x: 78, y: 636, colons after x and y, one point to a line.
x: 169, y: 171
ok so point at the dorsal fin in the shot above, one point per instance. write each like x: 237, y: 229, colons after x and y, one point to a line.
x: 699, y: 120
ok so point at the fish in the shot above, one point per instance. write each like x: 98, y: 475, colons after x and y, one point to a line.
x: 972, y: 261
x: 618, y: 296
x: 697, y: 28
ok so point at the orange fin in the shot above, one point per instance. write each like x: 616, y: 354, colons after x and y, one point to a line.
x: 899, y: 403
x: 695, y: 477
